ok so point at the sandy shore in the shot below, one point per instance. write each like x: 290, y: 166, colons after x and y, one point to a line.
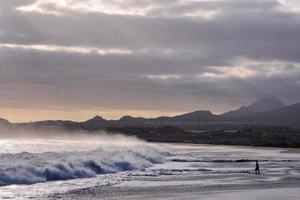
x: 291, y: 150
x: 275, y: 191
x: 190, y: 180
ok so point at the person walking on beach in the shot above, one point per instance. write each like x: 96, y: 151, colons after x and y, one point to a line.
x: 257, y: 171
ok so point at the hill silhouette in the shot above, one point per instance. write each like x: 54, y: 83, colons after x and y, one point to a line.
x: 268, y: 110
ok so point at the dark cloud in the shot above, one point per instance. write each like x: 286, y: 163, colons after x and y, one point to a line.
x: 178, y: 59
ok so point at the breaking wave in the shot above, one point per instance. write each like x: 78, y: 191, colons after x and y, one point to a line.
x: 30, y: 168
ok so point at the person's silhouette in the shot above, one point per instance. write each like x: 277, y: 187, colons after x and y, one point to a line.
x: 257, y: 171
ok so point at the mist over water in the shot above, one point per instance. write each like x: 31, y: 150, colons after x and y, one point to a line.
x: 36, y: 164
x: 32, y: 157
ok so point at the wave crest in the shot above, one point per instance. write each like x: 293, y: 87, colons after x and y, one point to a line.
x: 29, y: 168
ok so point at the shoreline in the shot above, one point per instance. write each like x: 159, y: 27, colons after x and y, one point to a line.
x: 190, y: 190
x: 283, y: 149
x: 167, y: 192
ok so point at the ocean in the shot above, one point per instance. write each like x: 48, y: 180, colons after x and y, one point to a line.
x: 49, y: 168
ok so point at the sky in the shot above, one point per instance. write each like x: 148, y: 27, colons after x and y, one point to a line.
x: 73, y: 59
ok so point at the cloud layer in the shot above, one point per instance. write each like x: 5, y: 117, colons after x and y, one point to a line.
x: 152, y: 56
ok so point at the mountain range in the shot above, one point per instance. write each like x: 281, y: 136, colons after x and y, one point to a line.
x: 259, y: 106
x: 264, y: 111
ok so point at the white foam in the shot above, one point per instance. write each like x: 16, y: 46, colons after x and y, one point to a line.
x: 29, y: 168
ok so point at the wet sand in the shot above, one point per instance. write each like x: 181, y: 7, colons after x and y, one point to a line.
x: 275, y: 191
x: 291, y: 150
x: 190, y: 180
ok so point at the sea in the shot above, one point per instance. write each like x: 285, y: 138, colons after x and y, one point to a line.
x: 40, y: 168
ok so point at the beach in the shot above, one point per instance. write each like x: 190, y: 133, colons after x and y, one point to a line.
x: 193, y: 175
x: 109, y: 169
x: 289, y: 191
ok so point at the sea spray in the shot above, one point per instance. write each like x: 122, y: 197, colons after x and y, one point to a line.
x: 29, y: 168
x: 75, y: 156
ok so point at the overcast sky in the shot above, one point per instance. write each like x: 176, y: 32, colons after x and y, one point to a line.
x: 72, y: 59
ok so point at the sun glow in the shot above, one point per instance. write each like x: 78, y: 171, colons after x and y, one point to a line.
x: 25, y: 115
x: 68, y: 49
x: 118, y: 7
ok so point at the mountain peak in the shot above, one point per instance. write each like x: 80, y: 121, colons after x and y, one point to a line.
x: 126, y: 117
x: 260, y: 105
x: 265, y: 104
x: 194, y: 116
x: 4, y: 121
x: 97, y: 117
x: 269, y: 100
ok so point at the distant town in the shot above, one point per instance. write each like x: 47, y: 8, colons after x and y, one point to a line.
x: 266, y: 122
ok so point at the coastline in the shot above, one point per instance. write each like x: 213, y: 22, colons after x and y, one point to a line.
x: 242, y: 184
x: 282, y: 149
x: 178, y: 192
